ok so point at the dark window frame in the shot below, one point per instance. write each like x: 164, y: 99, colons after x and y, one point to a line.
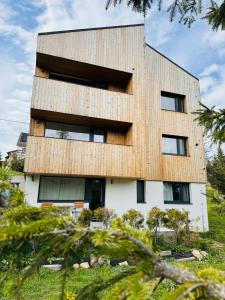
x: 179, y: 101
x: 91, y: 132
x: 86, y: 199
x: 178, y: 201
x: 185, y: 139
x: 141, y: 197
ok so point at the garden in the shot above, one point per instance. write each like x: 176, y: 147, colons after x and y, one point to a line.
x: 122, y: 259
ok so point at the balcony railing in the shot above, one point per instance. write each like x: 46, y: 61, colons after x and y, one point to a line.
x: 69, y: 98
x: 79, y: 158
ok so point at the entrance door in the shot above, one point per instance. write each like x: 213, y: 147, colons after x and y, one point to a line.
x: 95, y: 193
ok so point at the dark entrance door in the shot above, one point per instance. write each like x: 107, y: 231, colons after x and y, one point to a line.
x: 95, y: 193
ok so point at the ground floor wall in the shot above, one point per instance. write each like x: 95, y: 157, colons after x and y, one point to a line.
x: 121, y: 195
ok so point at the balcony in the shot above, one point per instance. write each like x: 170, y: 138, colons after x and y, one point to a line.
x: 72, y: 99
x: 51, y: 156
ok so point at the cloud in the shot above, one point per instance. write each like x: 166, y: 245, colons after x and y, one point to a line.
x: 213, y: 87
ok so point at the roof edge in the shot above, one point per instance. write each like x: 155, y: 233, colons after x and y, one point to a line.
x: 172, y: 61
x: 90, y: 29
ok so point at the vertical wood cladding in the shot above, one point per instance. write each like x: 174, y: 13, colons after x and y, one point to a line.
x: 120, y: 49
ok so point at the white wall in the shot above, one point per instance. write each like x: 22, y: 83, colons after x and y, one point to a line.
x: 31, y: 189
x: 121, y: 195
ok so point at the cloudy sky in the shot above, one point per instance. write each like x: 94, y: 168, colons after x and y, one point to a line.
x: 199, y: 50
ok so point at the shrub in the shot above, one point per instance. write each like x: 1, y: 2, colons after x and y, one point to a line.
x: 155, y: 221
x: 134, y: 218
x: 179, y: 222
x: 84, y: 218
x: 104, y: 215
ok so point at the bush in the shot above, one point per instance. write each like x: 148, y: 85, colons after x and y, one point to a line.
x: 84, y: 218
x: 134, y: 218
x: 155, y: 221
x: 104, y: 215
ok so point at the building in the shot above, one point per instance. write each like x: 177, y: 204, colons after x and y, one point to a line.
x: 19, y: 153
x: 112, y: 125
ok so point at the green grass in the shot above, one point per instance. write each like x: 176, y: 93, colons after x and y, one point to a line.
x: 216, y: 220
x: 47, y: 285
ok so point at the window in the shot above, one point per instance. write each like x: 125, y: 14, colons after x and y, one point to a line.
x: 172, y: 102
x: 64, y: 189
x: 176, y: 193
x: 78, y: 80
x: 174, y: 145
x: 140, y: 191
x: 74, y: 132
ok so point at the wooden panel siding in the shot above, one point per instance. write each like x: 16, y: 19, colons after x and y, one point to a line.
x: 67, y: 157
x: 70, y: 98
x: 163, y: 75
x: 122, y: 49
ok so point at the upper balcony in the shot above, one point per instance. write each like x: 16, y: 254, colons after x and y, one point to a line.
x: 49, y: 156
x: 74, y: 99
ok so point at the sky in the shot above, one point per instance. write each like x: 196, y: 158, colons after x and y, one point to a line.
x: 199, y: 50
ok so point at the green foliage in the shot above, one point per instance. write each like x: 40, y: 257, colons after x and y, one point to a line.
x: 104, y: 215
x: 4, y: 173
x: 134, y: 218
x: 216, y: 15
x: 187, y: 10
x: 17, y: 164
x: 9, y: 195
x: 179, y: 222
x: 216, y: 218
x: 154, y: 221
x: 216, y: 172
x: 84, y: 218
x: 213, y: 122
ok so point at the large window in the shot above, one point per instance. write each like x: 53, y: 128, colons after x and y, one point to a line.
x: 172, y: 102
x: 140, y: 191
x: 176, y: 193
x: 61, y: 189
x: 74, y: 132
x: 174, y: 145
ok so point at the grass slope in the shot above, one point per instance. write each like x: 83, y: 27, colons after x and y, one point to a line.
x: 216, y: 219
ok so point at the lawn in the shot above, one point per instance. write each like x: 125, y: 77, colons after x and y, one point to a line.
x: 216, y: 221
x: 47, y: 285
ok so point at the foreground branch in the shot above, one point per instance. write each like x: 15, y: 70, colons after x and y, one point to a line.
x: 178, y: 275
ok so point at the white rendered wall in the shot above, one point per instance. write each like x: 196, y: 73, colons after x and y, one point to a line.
x: 121, y: 195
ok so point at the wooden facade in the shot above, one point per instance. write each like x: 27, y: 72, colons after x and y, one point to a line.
x: 133, y: 116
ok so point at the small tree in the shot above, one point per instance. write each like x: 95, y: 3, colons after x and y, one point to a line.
x: 104, y: 215
x: 134, y: 218
x: 154, y: 221
x: 179, y: 222
x: 84, y: 218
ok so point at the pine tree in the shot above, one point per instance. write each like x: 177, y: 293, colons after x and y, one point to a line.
x: 187, y: 10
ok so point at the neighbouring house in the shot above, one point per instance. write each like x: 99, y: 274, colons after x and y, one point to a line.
x: 112, y: 125
x: 18, y: 153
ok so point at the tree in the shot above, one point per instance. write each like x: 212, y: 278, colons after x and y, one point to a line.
x: 214, y: 123
x: 187, y: 10
x: 155, y: 220
x: 216, y: 172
